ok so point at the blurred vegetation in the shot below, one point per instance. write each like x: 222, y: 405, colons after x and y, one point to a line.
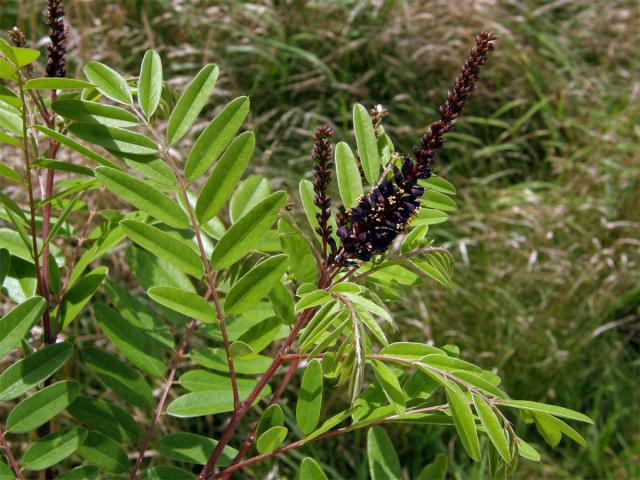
x: 546, y: 161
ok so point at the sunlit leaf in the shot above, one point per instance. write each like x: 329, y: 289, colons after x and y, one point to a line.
x: 310, y: 470
x: 493, y: 427
x: 215, y: 138
x: 114, y: 138
x: 150, y: 83
x: 464, y: 421
x: 88, y: 112
x: 192, y: 448
x: 309, y: 405
x: 191, y: 103
x: 383, y: 459
x: 188, y: 303
x: 52, y: 83
x: 53, y: 448
x: 271, y: 439
x: 108, y: 82
x: 367, y: 143
x: 18, y: 321
x: 391, y: 386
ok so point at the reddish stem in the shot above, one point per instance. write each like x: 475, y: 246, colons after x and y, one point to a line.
x: 10, y: 457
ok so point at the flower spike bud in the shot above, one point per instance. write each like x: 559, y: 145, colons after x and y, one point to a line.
x: 57, y: 49
x: 321, y: 156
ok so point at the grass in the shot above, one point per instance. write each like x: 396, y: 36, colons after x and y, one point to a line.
x: 545, y: 161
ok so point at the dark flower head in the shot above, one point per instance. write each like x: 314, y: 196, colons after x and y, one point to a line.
x: 17, y: 37
x: 57, y: 49
x: 371, y: 226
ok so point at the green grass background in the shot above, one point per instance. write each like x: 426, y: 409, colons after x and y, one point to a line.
x: 546, y: 161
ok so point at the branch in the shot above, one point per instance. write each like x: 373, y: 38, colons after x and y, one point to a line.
x: 330, y: 434
x: 10, y: 458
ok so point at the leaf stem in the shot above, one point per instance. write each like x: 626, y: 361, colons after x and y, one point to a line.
x: 10, y: 457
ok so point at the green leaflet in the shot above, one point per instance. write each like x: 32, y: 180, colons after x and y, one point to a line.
x: 53, y: 448
x: 493, y: 427
x: 272, y: 417
x: 225, y: 175
x: 188, y: 303
x: 47, y: 83
x: 27, y: 373
x: 463, y: 420
x: 73, y: 145
x: 105, y: 418
x: 191, y: 103
x: 135, y: 343
x: 42, y: 406
x: 436, y: 470
x: 271, y: 439
x: 309, y: 404
x: 116, y: 139
x: 247, y: 231
x: 108, y: 82
x: 87, y: 472
x: 348, y: 176
x: 150, y: 83
x: 142, y: 196
x: 192, y: 448
x: 307, y: 196
x: 544, y: 408
x: 118, y: 376
x: 367, y: 143
x: 104, y: 452
x: 18, y: 322
x: 82, y: 111
x: 255, y: 284
x: 310, y: 470
x: 204, y: 381
x: 301, y: 260
x: 80, y: 294
x: 391, y: 386
x: 249, y: 193
x: 215, y: 138
x: 165, y: 246
x: 383, y: 459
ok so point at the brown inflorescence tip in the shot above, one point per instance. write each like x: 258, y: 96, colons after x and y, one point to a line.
x: 57, y: 48
x: 321, y: 156
x: 17, y: 37
x: 383, y: 214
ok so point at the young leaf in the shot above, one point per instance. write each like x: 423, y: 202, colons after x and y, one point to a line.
x: 383, y: 459
x: 436, y: 470
x: 165, y: 246
x: 282, y: 303
x: 7, y: 71
x: 410, y: 350
x: 187, y: 303
x: 190, y: 103
x: 215, y: 359
x: 225, y: 175
x: 310, y: 470
x: 309, y: 403
x: 463, y: 420
x: 313, y: 299
x: 104, y: 452
x: 108, y: 82
x: 348, y: 175
x: 438, y: 201
x: 42, y: 406
x: 391, y: 386
x: 117, y: 139
x: 105, y: 418
x: 367, y: 143
x: 197, y: 404
x: 251, y: 191
x: 493, y: 427
x: 271, y: 439
x: 10, y: 98
x: 25, y: 374
x: 247, y: 231
x: 53, y: 448
x: 15, y: 324
x: 272, y: 417
x: 118, y: 376
x: 192, y: 448
x: 215, y: 138
x: 150, y: 83
x: 140, y: 348
x: 260, y: 335
x: 428, y: 216
x: 544, y: 408
x: 55, y: 84
x: 527, y: 451
x: 93, y: 112
x: 438, y: 184
x: 255, y: 284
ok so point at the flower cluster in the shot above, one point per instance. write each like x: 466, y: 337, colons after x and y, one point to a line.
x: 383, y: 214
x: 57, y: 49
x: 321, y: 156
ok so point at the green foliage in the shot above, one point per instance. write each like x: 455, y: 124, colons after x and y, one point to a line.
x: 217, y: 281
